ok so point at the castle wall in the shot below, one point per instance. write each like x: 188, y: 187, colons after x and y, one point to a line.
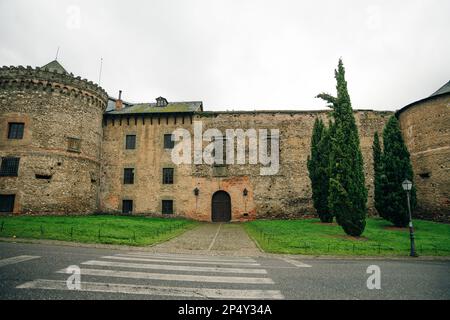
x: 286, y: 194
x: 54, y: 107
x: 426, y: 130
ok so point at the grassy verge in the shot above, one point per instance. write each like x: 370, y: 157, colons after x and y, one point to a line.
x: 133, y: 231
x: 310, y: 237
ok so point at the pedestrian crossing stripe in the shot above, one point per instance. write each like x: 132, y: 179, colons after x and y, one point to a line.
x: 162, y: 260
x: 172, y: 267
x: 191, y: 258
x: 157, y: 291
x: 18, y: 259
x: 170, y: 277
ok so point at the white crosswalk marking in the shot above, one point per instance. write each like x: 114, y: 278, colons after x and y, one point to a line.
x: 18, y: 259
x: 154, y: 275
x: 148, y: 259
x: 296, y: 263
x: 172, y: 268
x: 193, y: 258
x: 158, y: 291
x: 170, y: 276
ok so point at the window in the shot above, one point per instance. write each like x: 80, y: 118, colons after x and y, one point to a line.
x: 7, y: 203
x: 167, y: 207
x: 73, y: 144
x: 130, y: 143
x: 16, y: 131
x: 128, y: 176
x: 161, y: 102
x: 9, y: 167
x: 168, y: 176
x: 43, y: 177
x: 127, y: 206
x: 168, y: 142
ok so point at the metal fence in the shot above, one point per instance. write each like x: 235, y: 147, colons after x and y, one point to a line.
x: 270, y: 240
x: 71, y: 233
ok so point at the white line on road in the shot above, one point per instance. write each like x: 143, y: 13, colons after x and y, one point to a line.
x: 296, y: 263
x: 172, y: 268
x: 170, y: 277
x: 17, y: 259
x: 215, y: 237
x: 157, y: 291
x: 147, y: 259
x: 190, y: 257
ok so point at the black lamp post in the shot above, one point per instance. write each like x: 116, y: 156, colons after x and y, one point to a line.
x: 407, y: 186
x: 196, y: 192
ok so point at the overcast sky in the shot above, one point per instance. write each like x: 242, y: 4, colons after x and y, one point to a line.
x: 238, y: 55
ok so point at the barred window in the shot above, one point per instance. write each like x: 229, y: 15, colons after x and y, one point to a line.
x: 168, y: 142
x: 16, y: 130
x: 168, y: 176
x: 9, y: 167
x: 167, y: 207
x: 127, y: 206
x: 73, y: 144
x: 128, y: 176
x: 130, y: 142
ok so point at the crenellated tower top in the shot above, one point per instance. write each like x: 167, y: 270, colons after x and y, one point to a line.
x: 52, y: 78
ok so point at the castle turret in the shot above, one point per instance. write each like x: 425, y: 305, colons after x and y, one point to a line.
x: 50, y: 140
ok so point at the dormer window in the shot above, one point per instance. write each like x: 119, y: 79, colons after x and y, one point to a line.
x: 161, y: 102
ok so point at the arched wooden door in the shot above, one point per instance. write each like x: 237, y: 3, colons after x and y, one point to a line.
x: 221, y: 207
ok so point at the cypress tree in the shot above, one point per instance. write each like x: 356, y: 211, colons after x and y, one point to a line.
x: 396, y: 168
x: 347, y: 192
x: 318, y: 167
x: 378, y: 175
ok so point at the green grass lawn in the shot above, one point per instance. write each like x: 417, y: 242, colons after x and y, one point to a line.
x: 310, y: 237
x: 133, y: 231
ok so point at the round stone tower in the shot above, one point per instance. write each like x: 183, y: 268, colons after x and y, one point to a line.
x: 50, y: 140
x: 425, y: 126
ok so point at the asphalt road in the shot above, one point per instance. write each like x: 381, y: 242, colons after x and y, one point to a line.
x: 36, y: 271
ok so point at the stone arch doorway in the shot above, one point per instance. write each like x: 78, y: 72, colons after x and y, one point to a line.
x: 221, y: 207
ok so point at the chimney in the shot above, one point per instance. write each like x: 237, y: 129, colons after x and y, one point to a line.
x: 119, y: 102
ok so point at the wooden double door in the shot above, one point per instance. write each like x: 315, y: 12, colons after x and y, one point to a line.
x: 221, y: 207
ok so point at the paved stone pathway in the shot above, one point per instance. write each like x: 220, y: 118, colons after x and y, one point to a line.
x: 212, y: 239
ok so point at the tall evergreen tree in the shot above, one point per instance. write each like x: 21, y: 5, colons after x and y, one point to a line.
x: 347, y: 192
x: 318, y: 167
x: 396, y: 168
x: 378, y: 175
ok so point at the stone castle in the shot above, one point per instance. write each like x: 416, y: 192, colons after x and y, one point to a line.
x: 67, y: 147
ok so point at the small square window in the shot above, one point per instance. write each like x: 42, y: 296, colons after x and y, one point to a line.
x: 127, y: 206
x: 168, y: 175
x: 16, y: 131
x: 168, y: 141
x: 128, y: 176
x: 167, y: 207
x: 73, y: 144
x: 7, y: 203
x: 130, y: 142
x: 9, y: 167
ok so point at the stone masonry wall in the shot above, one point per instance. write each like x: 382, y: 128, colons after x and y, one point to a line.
x: 287, y: 194
x: 53, y: 107
x: 426, y: 129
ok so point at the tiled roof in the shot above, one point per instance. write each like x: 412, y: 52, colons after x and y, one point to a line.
x: 445, y: 89
x: 54, y: 66
x: 188, y: 106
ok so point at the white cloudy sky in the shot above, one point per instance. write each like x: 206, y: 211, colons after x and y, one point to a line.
x: 240, y: 55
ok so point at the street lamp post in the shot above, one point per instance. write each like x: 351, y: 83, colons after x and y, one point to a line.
x: 407, y: 186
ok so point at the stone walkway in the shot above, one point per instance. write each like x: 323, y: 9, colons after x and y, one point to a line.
x: 213, y: 239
